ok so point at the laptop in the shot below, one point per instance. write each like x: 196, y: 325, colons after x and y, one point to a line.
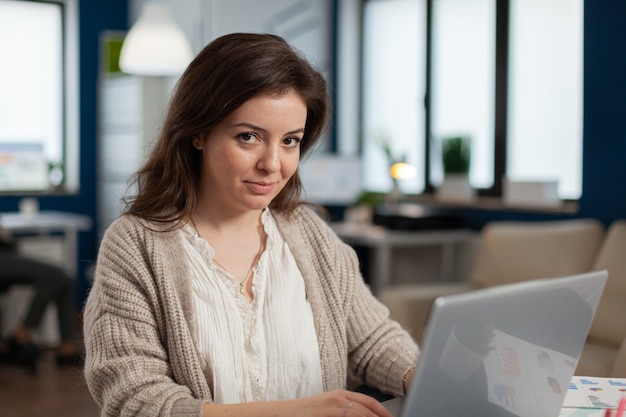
x: 503, y: 351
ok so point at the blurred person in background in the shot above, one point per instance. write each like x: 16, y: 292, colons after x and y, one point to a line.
x: 50, y: 284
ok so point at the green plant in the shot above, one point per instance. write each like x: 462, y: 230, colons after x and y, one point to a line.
x: 370, y: 198
x: 455, y: 151
x: 383, y: 140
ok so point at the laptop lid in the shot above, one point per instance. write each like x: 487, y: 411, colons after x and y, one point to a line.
x: 503, y: 351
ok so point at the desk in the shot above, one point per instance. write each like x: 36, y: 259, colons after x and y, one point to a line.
x: 382, y: 241
x: 47, y: 223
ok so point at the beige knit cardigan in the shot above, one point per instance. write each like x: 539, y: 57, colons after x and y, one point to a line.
x: 141, y: 349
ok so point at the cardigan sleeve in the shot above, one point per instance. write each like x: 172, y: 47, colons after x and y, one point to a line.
x: 128, y: 368
x: 379, y: 352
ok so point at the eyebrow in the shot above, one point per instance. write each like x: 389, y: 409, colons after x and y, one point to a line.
x: 259, y: 128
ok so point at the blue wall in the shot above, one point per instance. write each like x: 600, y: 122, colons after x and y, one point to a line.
x: 604, y: 164
x: 604, y: 161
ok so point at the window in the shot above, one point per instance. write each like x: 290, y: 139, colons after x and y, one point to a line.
x: 506, y: 73
x: 545, y: 111
x: 462, y: 82
x: 393, y: 89
x: 38, y: 104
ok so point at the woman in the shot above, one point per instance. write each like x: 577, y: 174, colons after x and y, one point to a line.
x: 217, y: 292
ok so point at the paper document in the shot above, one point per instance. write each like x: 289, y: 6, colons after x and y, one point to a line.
x: 589, y: 396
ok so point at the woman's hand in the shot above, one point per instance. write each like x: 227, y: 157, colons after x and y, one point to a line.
x: 407, y: 379
x: 340, y: 403
x: 337, y: 403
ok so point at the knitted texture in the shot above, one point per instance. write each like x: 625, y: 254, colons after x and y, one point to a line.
x: 141, y: 352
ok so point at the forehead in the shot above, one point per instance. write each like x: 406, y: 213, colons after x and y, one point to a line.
x: 289, y: 106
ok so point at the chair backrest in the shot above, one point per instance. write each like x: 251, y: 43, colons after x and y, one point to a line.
x: 513, y: 251
x: 608, y: 323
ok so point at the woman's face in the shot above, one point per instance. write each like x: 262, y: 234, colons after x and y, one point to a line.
x: 249, y: 157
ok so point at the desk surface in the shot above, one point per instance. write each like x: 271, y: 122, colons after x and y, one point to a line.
x: 16, y: 222
x: 382, y: 242
x: 49, y: 222
x: 372, y: 235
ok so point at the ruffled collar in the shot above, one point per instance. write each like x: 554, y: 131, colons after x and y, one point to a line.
x: 208, y: 253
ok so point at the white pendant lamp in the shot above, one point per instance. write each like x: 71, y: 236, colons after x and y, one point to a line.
x: 155, y: 45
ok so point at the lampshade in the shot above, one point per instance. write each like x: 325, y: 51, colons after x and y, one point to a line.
x: 155, y: 45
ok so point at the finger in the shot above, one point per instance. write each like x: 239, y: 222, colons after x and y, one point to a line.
x: 369, y: 404
x: 347, y: 408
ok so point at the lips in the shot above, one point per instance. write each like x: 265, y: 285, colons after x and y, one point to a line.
x: 261, y: 187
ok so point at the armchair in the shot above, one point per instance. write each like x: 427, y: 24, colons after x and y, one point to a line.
x: 604, y: 353
x: 508, y: 252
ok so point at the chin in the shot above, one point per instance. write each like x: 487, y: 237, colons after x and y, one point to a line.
x: 259, y: 204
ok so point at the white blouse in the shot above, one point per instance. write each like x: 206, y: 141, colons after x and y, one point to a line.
x: 266, y: 349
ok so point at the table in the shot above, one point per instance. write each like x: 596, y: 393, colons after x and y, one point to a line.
x: 47, y: 223
x: 382, y: 242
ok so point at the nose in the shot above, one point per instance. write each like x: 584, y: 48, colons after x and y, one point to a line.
x: 269, y: 160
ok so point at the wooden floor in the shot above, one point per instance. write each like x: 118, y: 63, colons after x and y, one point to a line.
x: 53, y: 391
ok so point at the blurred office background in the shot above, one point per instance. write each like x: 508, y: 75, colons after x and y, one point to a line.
x: 537, y: 86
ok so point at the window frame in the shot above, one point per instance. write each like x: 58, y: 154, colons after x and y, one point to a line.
x: 501, y: 91
x: 500, y: 101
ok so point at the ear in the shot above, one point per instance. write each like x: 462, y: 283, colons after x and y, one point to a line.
x: 197, y: 142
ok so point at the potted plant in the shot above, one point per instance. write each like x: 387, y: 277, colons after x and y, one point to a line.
x: 455, y: 151
x: 456, y: 157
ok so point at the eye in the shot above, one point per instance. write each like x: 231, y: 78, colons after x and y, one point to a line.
x: 292, y: 142
x: 247, y: 137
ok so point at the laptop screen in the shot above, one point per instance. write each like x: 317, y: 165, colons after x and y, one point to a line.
x: 504, y: 351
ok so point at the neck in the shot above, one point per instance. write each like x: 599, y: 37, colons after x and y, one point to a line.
x: 223, y: 222
x: 238, y: 242
x: 244, y: 225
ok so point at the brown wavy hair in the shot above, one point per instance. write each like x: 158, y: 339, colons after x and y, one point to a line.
x: 228, y: 72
